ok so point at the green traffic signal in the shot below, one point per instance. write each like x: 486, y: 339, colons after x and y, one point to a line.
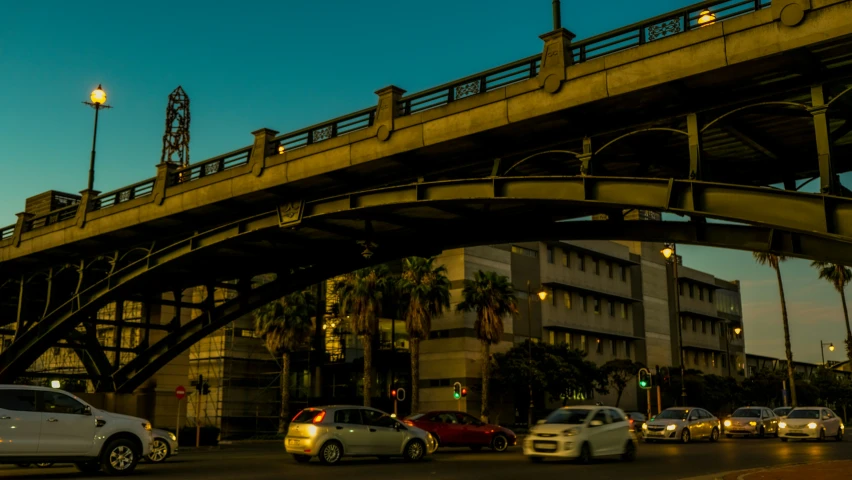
x: 456, y: 395
x: 457, y: 390
x: 643, y: 383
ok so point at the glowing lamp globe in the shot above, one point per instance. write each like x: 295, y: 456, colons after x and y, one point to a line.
x: 831, y: 347
x: 667, y: 252
x: 738, y: 330
x: 542, y: 295
x: 98, y: 96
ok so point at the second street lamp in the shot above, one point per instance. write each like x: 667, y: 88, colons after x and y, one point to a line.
x: 670, y: 254
x: 822, y: 346
x: 98, y: 101
x: 542, y: 294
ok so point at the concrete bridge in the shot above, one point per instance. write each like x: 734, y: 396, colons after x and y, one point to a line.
x: 703, y: 112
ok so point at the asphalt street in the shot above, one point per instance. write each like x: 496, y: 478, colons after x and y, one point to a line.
x: 657, y: 461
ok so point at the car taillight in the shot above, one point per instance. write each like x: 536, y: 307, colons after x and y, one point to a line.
x: 319, y: 417
x: 409, y: 423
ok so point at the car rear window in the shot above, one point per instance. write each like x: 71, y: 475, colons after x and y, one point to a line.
x: 306, y: 416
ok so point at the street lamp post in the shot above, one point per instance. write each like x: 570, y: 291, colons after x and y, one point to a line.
x: 542, y: 294
x: 98, y: 102
x: 822, y: 346
x: 729, y: 337
x: 670, y: 253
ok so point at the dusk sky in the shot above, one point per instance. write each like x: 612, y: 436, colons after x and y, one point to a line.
x: 286, y: 65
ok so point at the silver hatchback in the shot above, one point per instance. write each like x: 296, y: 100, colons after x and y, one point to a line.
x: 333, y: 432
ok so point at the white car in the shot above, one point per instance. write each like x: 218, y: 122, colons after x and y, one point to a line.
x: 164, y: 446
x: 682, y: 424
x: 580, y: 433
x: 805, y: 423
x: 333, y: 432
x: 44, y: 425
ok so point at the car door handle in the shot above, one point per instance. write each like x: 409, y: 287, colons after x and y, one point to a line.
x: 5, y: 418
x: 52, y: 420
x: 372, y: 429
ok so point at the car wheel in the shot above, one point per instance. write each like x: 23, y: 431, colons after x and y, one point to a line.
x: 714, y: 435
x: 44, y: 465
x: 839, y: 436
x: 437, y: 440
x: 414, y: 451
x: 762, y: 433
x: 728, y: 435
x: 88, y: 467
x: 159, y: 451
x: 629, y: 452
x: 684, y: 436
x: 302, y: 458
x: 499, y: 443
x: 535, y: 459
x: 821, y: 435
x: 120, y: 457
x: 331, y: 453
x: 783, y: 439
x: 585, y: 454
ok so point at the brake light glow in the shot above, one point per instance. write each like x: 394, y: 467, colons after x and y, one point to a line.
x: 319, y: 417
x: 409, y: 423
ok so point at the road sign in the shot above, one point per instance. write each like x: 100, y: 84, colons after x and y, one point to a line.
x: 180, y: 392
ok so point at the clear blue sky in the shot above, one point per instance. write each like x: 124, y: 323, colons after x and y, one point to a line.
x: 285, y: 65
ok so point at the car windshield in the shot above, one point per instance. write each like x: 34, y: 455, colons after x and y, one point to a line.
x: 568, y: 416
x: 675, y: 414
x: 812, y: 414
x: 747, y: 412
x: 306, y: 416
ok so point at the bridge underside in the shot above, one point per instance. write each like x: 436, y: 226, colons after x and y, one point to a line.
x: 705, y: 148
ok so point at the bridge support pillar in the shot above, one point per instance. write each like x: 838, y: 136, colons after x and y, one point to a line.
x: 828, y: 181
x: 165, y: 171
x: 19, y: 227
x: 387, y: 110
x: 87, y: 196
x: 694, y: 132
x: 262, y: 148
x: 555, y: 57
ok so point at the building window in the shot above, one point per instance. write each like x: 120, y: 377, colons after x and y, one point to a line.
x: 551, y: 296
x: 566, y: 258
x: 706, y: 360
x: 585, y: 303
x: 680, y: 288
x: 597, y: 306
x: 611, y: 308
x: 583, y: 345
x: 627, y: 348
x: 582, y: 262
x: 695, y: 358
x: 691, y: 291
x: 566, y: 297
x: 694, y: 325
x: 684, y: 323
x: 712, y: 328
x: 597, y: 267
x: 549, y: 254
x: 703, y: 326
x: 724, y: 362
x: 713, y: 359
x: 568, y: 340
x: 614, y: 346
x: 552, y: 338
x: 599, y: 347
x: 609, y: 267
x: 623, y: 273
x: 701, y: 293
x: 524, y: 251
x: 710, y: 295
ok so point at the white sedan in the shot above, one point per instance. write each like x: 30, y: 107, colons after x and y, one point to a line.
x: 805, y: 423
x: 581, y: 433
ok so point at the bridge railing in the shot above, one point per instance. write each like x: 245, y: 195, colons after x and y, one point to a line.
x: 50, y: 218
x: 662, y: 26
x: 211, y: 166
x: 124, y: 194
x: 326, y: 130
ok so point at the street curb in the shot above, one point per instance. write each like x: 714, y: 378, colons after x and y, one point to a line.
x: 742, y: 474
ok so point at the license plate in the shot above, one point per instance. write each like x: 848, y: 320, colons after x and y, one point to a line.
x: 544, y: 446
x: 293, y: 442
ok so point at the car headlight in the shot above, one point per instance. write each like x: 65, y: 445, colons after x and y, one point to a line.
x: 753, y: 424
x: 812, y: 426
x: 727, y: 423
x: 570, y: 432
x: 312, y: 430
x: 173, y: 437
x: 671, y: 427
x: 782, y: 425
x: 644, y: 426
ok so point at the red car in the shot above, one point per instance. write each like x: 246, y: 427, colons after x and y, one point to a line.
x: 458, y: 429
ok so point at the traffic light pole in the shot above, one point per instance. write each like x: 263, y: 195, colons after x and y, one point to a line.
x: 679, y: 325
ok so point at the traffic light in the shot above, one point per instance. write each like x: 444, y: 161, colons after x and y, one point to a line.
x: 644, y: 378
x: 457, y: 390
x: 665, y: 377
x: 393, y: 393
x: 464, y: 392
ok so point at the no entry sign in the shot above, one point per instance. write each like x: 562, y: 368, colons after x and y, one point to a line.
x: 180, y: 392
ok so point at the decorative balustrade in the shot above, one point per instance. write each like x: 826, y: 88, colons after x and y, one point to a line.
x: 327, y: 130
x: 124, y: 194
x: 211, y: 166
x: 663, y: 26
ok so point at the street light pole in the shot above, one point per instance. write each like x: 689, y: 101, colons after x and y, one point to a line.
x: 98, y: 102
x: 557, y: 15
x: 822, y: 346
x: 529, y: 353
x: 670, y: 252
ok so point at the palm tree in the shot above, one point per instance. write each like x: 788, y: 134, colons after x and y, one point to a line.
x: 492, y: 297
x: 774, y: 261
x: 839, y: 276
x: 425, y: 290
x: 285, y: 325
x: 360, y: 295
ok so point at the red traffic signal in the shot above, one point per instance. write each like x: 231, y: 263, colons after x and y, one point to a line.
x: 393, y: 393
x: 464, y: 392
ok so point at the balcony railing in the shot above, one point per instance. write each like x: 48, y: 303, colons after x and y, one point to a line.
x: 663, y: 26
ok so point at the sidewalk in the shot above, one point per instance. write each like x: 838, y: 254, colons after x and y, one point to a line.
x: 830, y: 469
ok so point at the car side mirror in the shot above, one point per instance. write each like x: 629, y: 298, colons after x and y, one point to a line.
x: 397, y: 426
x: 87, y: 411
x: 595, y: 423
